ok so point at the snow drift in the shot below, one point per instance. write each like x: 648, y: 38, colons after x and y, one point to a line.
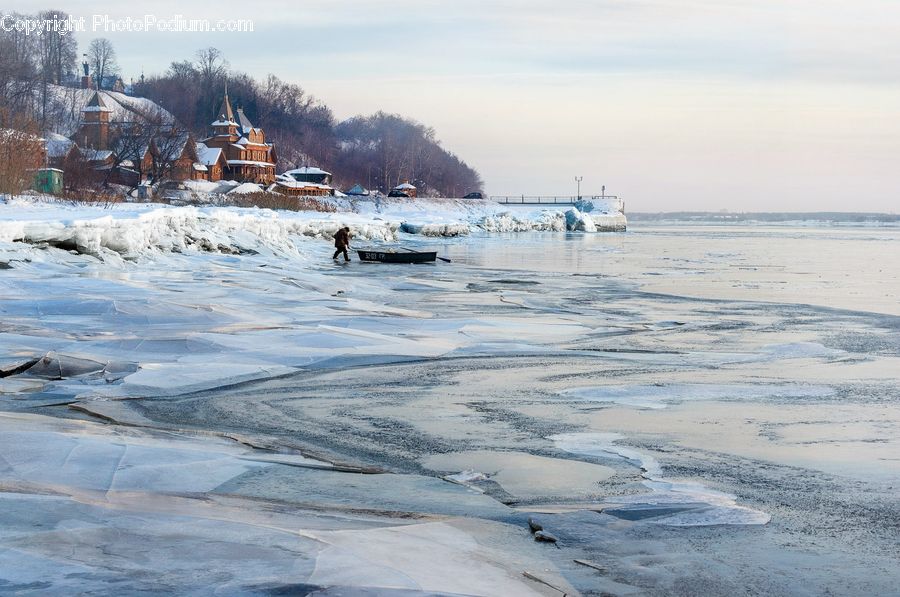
x: 131, y: 230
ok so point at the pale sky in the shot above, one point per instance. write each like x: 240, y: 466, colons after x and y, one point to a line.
x: 754, y: 105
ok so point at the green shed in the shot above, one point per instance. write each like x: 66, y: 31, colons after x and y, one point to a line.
x: 48, y: 180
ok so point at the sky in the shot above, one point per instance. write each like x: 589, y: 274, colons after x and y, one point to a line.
x: 754, y: 105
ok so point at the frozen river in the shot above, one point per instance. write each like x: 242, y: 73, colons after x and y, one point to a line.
x: 686, y: 410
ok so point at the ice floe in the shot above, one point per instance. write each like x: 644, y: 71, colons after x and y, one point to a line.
x: 525, y: 476
x: 669, y: 502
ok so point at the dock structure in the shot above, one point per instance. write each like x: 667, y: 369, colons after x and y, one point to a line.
x: 548, y: 200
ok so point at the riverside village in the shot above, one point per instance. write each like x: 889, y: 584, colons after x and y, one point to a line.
x: 106, y: 146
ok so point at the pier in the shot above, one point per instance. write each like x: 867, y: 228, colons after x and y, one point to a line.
x: 548, y: 200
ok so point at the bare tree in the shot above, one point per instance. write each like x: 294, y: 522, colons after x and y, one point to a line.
x: 57, y: 51
x: 102, y: 58
x: 56, y: 55
x: 18, y: 69
x: 21, y: 152
x: 182, y: 71
x: 211, y: 64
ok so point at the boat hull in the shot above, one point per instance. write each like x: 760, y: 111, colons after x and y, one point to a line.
x: 392, y: 257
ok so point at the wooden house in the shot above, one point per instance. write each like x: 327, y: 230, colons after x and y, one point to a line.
x: 62, y: 152
x: 248, y: 157
x: 211, y: 161
x: 404, y: 189
x: 293, y: 188
x: 310, y: 174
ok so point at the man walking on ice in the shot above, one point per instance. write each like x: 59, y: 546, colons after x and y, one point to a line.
x: 342, y: 243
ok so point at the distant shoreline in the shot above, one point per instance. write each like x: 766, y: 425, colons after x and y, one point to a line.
x: 764, y: 217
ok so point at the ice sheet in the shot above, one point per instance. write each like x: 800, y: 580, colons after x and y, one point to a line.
x: 85, y: 505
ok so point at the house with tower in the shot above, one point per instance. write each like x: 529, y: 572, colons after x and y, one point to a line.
x: 93, y: 131
x: 135, y: 150
x: 245, y: 154
x: 139, y: 149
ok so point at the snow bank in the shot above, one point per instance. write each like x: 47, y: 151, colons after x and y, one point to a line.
x: 246, y: 188
x: 455, y: 217
x: 129, y: 230
x: 547, y: 221
x: 451, y: 229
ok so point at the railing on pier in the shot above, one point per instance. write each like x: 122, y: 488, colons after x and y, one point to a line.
x: 547, y: 200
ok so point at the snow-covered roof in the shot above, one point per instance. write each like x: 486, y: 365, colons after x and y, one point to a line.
x: 224, y: 123
x: 96, y: 104
x: 243, y: 141
x: 208, y: 155
x: 307, y: 170
x: 66, y: 104
x: 248, y: 163
x: 293, y: 184
x: 58, y: 145
x: 246, y: 125
x: 358, y: 189
x: 200, y: 167
x: 172, y: 145
x: 405, y: 185
x: 96, y: 155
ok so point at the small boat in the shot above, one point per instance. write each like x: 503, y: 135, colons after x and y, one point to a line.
x: 392, y: 256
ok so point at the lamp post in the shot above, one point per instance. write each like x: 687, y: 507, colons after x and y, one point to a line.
x: 578, y: 180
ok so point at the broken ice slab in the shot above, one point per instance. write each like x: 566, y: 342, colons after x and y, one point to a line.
x: 192, y: 374
x: 54, y: 365
x: 10, y: 365
x: 18, y: 385
x: 364, y: 492
x: 95, y: 506
x: 42, y: 451
x: 672, y: 503
x: 526, y: 476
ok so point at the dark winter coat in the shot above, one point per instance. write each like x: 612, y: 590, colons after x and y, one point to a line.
x: 341, y: 239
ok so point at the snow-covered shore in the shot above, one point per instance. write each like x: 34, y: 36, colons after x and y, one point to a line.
x: 453, y: 217
x: 129, y: 229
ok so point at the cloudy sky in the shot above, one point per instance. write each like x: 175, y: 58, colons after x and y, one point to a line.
x: 674, y: 104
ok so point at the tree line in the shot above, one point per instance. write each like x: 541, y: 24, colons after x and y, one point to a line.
x: 378, y: 151
x: 30, y: 64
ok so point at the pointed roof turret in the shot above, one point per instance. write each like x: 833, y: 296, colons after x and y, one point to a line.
x: 225, y: 111
x: 96, y: 104
x: 246, y: 126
